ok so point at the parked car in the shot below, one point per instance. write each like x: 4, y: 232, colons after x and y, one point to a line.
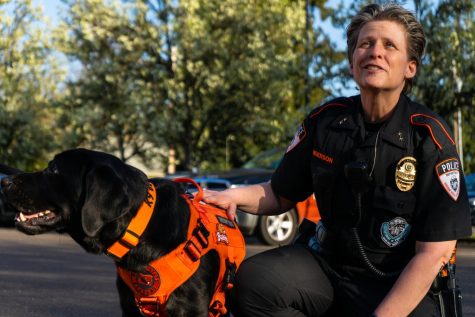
x: 470, y: 182
x: 273, y: 230
x: 7, y: 214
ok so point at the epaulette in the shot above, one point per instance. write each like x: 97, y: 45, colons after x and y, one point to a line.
x: 343, y: 102
x: 436, y: 128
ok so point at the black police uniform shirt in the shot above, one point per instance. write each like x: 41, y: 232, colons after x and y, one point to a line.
x: 417, y: 190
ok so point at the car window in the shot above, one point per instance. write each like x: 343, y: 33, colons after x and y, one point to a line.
x: 470, y: 181
x: 268, y: 159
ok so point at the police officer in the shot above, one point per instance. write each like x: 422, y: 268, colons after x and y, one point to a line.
x: 389, y: 187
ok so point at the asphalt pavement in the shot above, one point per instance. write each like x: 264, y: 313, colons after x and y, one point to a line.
x: 51, y: 276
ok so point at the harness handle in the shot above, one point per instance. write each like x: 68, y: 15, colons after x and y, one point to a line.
x: 199, y: 196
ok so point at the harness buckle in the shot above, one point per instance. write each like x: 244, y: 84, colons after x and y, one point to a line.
x: 192, y: 250
x: 201, y: 234
x: 149, y: 306
x: 229, y: 275
x: 129, y: 239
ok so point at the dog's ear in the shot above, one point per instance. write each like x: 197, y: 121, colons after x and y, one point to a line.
x: 106, y: 199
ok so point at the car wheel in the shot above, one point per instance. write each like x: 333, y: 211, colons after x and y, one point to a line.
x: 280, y: 229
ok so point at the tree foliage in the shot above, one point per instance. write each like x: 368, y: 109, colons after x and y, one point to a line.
x: 113, y: 104
x: 195, y: 76
x: 446, y: 82
x: 215, y: 80
x: 28, y: 85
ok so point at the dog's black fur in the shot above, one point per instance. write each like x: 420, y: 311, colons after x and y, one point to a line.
x: 94, y: 196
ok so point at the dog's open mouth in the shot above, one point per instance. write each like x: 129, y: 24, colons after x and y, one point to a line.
x: 36, y: 223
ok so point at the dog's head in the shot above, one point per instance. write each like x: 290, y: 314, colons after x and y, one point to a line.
x: 82, y: 192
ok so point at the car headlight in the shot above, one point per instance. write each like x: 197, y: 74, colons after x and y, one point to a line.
x: 472, y: 201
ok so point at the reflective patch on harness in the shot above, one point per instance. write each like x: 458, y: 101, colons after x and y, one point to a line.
x: 449, y: 176
x: 146, y: 284
x: 395, y: 231
x: 221, y: 235
x: 298, y: 137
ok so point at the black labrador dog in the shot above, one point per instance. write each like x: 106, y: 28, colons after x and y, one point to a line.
x: 93, y: 196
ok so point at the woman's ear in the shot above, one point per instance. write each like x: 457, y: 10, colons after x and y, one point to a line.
x: 411, y: 70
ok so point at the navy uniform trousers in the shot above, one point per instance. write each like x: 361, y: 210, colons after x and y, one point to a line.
x: 293, y: 281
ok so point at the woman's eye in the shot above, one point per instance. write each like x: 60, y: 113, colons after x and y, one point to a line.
x: 365, y: 44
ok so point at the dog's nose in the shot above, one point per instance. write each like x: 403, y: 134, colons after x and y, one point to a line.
x: 6, y: 182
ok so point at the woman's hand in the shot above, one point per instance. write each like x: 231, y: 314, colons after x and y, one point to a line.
x: 256, y: 199
x: 221, y: 199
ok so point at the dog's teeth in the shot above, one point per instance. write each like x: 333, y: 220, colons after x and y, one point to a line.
x: 47, y: 212
x: 22, y: 217
x: 41, y: 214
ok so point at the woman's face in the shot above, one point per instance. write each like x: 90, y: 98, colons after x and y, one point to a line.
x: 380, y: 61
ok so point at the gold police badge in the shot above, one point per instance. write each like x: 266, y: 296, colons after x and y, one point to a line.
x: 406, y: 173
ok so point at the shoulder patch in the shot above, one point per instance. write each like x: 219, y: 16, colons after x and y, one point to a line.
x: 449, y: 176
x: 298, y: 137
x: 437, y: 130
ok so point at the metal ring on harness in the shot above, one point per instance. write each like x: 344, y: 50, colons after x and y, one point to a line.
x: 199, y: 195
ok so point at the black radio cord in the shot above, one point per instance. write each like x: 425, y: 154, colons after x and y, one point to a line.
x: 359, y: 245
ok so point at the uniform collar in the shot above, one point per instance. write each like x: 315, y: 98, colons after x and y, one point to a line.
x: 395, y: 131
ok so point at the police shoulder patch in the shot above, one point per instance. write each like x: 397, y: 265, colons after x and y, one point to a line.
x: 448, y: 172
x: 298, y: 137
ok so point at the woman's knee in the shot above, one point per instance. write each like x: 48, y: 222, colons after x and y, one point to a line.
x: 282, y: 280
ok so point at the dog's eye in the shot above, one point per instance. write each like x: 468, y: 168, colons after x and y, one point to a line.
x: 52, y: 168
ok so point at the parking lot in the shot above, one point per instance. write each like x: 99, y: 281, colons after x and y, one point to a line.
x: 51, y: 276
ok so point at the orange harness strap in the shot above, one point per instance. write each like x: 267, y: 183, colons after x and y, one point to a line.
x: 208, y: 229
x: 136, y: 227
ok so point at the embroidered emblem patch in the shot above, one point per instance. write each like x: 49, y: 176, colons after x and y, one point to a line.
x: 146, y: 284
x: 299, y: 136
x: 221, y: 236
x: 395, y: 231
x: 449, y: 176
x: 406, y: 173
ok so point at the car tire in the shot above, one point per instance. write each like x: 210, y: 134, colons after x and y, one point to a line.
x: 280, y: 229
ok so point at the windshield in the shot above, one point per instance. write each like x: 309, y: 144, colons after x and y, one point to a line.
x: 470, y: 181
x: 268, y: 159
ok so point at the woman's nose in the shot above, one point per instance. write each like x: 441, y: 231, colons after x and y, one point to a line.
x: 376, y: 50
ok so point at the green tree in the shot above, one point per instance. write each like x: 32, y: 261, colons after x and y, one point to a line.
x: 240, y: 63
x: 446, y: 82
x: 195, y: 76
x: 29, y: 79
x: 115, y: 101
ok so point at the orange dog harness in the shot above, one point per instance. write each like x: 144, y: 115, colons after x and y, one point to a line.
x: 208, y: 229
